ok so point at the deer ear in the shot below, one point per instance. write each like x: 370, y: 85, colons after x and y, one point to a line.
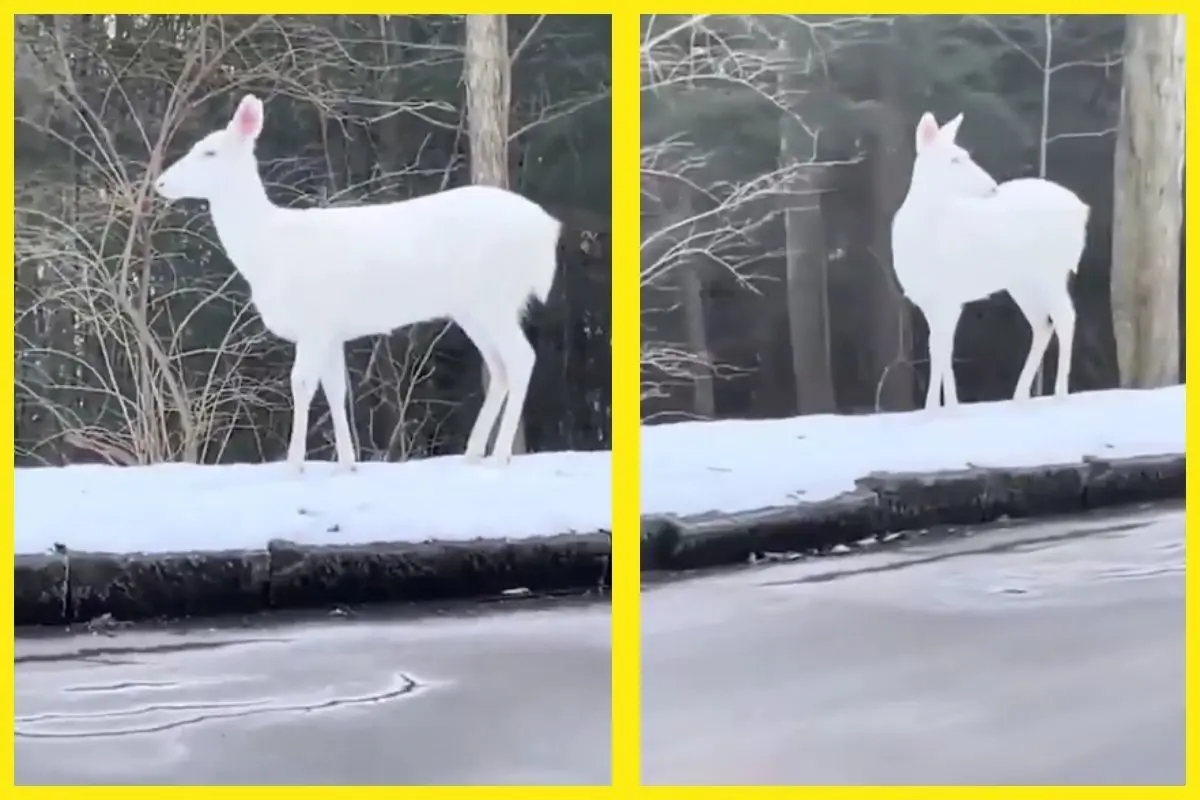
x: 950, y: 129
x: 248, y: 119
x: 927, y: 131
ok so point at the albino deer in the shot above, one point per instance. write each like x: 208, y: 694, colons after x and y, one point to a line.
x: 322, y: 276
x: 959, y: 236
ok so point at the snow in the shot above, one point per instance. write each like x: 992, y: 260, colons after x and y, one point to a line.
x: 687, y: 468
x: 179, y: 507
x: 742, y: 465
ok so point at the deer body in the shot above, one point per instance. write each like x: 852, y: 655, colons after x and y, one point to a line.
x: 320, y: 277
x: 960, y: 237
x: 405, y: 262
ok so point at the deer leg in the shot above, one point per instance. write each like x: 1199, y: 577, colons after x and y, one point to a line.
x: 933, y: 395
x: 1063, y: 317
x: 949, y: 382
x: 306, y: 375
x: 1042, y: 326
x: 333, y: 382
x: 518, y: 357
x: 493, y: 398
x: 942, y: 327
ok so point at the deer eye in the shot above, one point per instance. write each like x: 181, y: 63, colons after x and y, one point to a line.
x: 208, y: 153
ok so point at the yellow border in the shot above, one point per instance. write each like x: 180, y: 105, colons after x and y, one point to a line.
x: 323, y: 792
x: 1192, y: 364
x: 833, y: 7
x: 626, y: 413
x: 626, y: 573
x: 309, y: 7
x: 906, y: 792
x: 6, y: 386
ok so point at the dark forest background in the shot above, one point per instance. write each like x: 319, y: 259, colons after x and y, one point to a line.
x: 135, y: 342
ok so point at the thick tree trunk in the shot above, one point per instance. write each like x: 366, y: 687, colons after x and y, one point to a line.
x: 489, y: 77
x: 691, y: 289
x: 807, y: 281
x: 683, y: 316
x: 1148, y: 202
x: 689, y: 283
x: 808, y: 303
x: 488, y: 99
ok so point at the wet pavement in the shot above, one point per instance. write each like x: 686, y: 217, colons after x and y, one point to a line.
x: 1033, y: 654
x: 517, y: 697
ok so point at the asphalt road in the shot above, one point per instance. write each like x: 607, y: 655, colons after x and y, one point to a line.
x: 1048, y: 653
x: 1037, y: 654
x: 521, y: 697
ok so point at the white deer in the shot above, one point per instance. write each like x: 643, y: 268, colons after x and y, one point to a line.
x: 959, y: 236
x: 320, y: 277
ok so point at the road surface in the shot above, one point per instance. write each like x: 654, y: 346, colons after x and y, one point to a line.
x: 1035, y: 654
x: 520, y: 697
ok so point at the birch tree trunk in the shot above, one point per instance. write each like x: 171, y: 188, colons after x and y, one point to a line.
x: 489, y: 78
x: 1148, y: 202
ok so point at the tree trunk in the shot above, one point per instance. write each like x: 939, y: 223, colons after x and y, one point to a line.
x: 489, y: 76
x: 1148, y: 202
x: 691, y: 288
x: 891, y: 328
x: 807, y: 291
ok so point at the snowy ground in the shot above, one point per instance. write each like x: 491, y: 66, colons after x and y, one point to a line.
x: 697, y: 467
x: 687, y: 468
x: 176, y: 507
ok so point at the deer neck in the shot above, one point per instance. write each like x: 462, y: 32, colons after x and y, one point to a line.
x: 924, y: 195
x: 240, y: 216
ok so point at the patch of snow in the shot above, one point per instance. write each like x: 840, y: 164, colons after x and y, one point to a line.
x: 174, y: 507
x: 742, y: 465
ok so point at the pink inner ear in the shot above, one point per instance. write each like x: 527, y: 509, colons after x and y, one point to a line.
x: 248, y: 119
x: 927, y: 131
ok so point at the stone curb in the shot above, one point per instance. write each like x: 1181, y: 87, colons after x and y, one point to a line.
x: 73, y: 586
x: 70, y: 586
x: 892, y: 502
